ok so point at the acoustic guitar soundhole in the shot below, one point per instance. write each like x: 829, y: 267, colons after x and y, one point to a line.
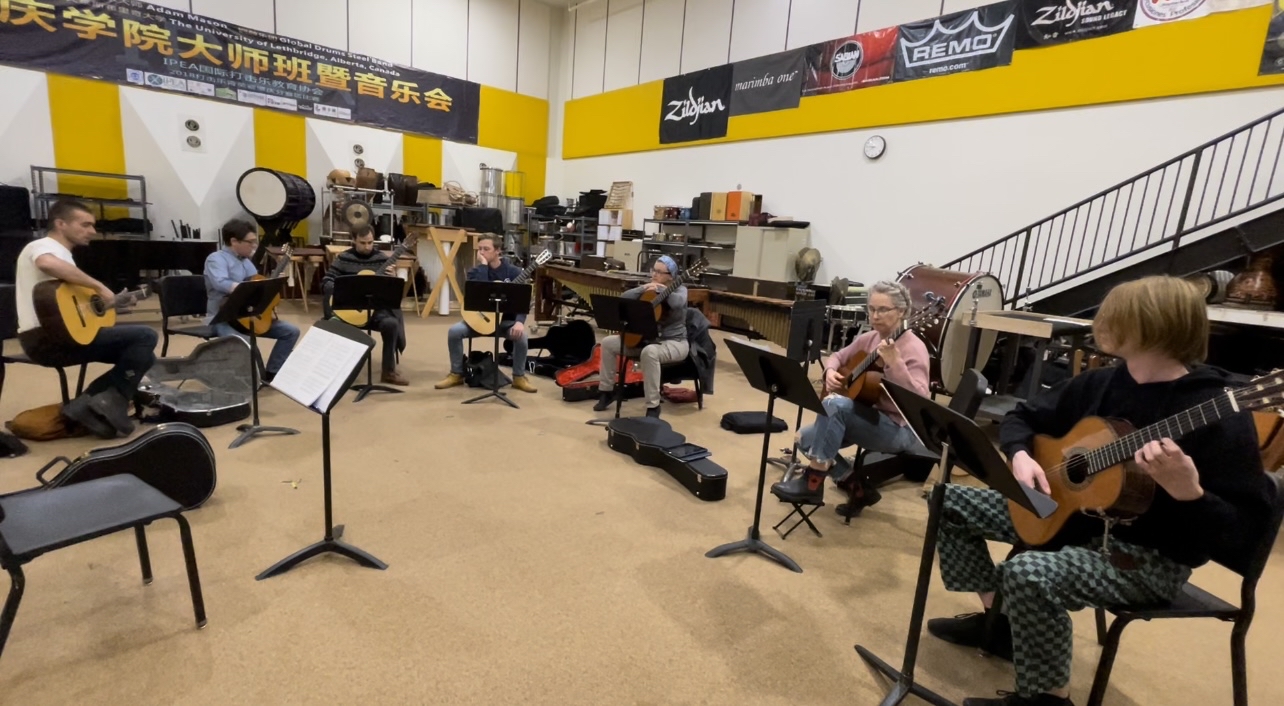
x: 1077, y: 468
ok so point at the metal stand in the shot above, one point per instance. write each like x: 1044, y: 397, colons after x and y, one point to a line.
x: 806, y: 329
x: 332, y: 542
x: 498, y: 298
x: 252, y: 299
x: 778, y: 376
x: 249, y: 431
x: 369, y: 293
x: 623, y: 316
x: 494, y: 381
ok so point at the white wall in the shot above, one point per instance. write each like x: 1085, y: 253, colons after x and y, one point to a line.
x: 501, y: 43
x: 942, y: 189
x: 26, y: 136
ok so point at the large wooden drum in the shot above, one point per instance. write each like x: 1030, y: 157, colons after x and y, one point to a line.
x: 948, y: 338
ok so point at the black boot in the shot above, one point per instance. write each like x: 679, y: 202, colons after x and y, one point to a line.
x: 969, y: 630
x: 653, y: 412
x: 79, y: 411
x: 603, y: 402
x: 112, y: 406
x: 807, y: 488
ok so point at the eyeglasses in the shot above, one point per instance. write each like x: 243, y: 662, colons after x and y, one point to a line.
x: 879, y: 311
x: 659, y: 272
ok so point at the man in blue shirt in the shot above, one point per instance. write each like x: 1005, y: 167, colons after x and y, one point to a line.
x: 492, y: 269
x: 229, y: 267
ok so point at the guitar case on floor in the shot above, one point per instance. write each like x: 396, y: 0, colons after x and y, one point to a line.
x: 175, y: 459
x: 212, y: 385
x: 653, y: 442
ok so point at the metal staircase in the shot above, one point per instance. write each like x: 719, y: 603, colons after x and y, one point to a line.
x: 1209, y: 206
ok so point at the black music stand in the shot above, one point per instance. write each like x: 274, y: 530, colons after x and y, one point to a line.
x: 632, y: 316
x: 332, y: 541
x: 782, y: 378
x: 806, y: 329
x: 250, y: 299
x: 958, y: 441
x: 371, y: 294
x: 498, y: 298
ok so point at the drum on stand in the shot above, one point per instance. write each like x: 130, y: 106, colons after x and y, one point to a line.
x: 277, y: 200
x: 949, y: 337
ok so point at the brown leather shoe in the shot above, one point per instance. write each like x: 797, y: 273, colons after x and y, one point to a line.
x: 521, y: 383
x: 451, y: 380
x: 393, y: 377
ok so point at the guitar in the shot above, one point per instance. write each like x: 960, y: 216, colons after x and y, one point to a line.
x: 74, y: 314
x: 359, y: 317
x: 657, y: 297
x: 865, y: 385
x: 260, y: 324
x: 1090, y: 469
x: 484, y: 322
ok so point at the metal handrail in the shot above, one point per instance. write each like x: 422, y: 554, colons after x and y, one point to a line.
x: 1029, y: 262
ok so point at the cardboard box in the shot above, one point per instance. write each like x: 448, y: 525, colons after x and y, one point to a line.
x: 610, y: 232
x: 622, y: 217
x: 739, y: 206
x: 718, y: 206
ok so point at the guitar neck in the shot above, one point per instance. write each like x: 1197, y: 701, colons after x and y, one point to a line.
x: 525, y: 276
x: 280, y: 266
x: 1174, y: 427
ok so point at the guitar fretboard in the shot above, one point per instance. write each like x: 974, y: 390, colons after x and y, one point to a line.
x: 1125, y: 447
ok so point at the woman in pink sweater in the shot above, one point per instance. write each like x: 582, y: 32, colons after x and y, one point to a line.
x: 904, y: 361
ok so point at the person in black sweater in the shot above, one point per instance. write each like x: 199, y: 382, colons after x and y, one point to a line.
x: 1211, y: 495
x: 492, y: 268
x: 390, y: 323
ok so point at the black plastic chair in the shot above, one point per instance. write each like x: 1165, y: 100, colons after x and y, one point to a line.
x: 9, y: 330
x: 1194, y: 602
x: 183, y: 295
x: 38, y: 521
x: 681, y: 371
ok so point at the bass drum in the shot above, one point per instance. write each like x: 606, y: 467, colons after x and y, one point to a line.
x: 948, y: 338
x: 271, y: 195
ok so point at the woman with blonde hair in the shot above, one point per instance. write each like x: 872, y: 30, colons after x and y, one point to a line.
x: 1209, y: 487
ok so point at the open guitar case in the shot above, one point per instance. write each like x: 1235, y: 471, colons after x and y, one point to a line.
x: 208, y: 388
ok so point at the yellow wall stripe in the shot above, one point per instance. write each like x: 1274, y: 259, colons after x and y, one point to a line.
x: 1154, y: 62
x: 421, y: 156
x: 87, y: 135
x: 280, y: 142
x: 517, y: 123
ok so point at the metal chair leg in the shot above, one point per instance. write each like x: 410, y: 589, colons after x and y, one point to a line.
x: 165, y: 344
x: 1101, y: 625
x: 193, y: 576
x: 80, y: 384
x: 1107, y: 662
x: 1239, y: 663
x: 62, y: 384
x: 17, y: 584
x: 144, y: 556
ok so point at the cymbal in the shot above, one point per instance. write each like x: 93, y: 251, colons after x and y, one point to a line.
x: 356, y: 214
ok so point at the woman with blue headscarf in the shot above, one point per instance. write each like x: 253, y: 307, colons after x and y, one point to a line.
x: 671, y: 347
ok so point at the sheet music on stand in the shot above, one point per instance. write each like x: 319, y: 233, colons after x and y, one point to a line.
x: 318, y: 368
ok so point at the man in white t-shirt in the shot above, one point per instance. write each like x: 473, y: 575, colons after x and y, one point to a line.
x: 103, y: 408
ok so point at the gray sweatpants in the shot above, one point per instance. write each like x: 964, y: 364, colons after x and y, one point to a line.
x: 652, y: 356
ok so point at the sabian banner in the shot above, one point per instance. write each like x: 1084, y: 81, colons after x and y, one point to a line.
x: 696, y: 106
x: 962, y: 41
x: 858, y: 61
x: 159, y: 48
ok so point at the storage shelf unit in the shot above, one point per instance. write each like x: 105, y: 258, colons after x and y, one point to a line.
x: 583, y: 237
x: 334, y: 225
x: 732, y: 248
x: 42, y: 197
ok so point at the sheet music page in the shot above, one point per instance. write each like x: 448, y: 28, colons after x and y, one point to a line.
x: 319, y: 364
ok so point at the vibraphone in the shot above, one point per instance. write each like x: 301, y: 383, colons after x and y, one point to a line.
x: 757, y: 316
x: 584, y: 283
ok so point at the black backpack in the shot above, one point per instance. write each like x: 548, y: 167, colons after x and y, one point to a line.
x: 751, y: 423
x: 480, y: 370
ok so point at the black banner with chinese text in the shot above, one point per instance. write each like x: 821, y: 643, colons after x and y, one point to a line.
x: 156, y: 47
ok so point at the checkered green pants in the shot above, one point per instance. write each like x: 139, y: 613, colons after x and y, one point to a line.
x: 1038, y: 587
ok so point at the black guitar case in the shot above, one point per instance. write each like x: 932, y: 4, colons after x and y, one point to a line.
x: 208, y: 388
x: 565, y: 344
x: 175, y: 459
x: 653, y: 442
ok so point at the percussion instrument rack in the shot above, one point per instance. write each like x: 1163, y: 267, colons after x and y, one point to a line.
x: 328, y: 199
x: 43, y: 198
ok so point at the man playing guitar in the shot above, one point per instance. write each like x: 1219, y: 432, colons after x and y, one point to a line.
x: 226, y: 268
x: 103, y: 407
x: 492, y: 268
x: 1211, y: 494
x: 905, y: 361
x: 361, y: 257
x: 670, y: 348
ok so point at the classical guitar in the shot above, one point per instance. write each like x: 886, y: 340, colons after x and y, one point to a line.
x: 861, y: 381
x: 74, y: 314
x: 657, y: 296
x: 260, y: 324
x: 485, y: 323
x: 1090, y: 469
x: 359, y: 317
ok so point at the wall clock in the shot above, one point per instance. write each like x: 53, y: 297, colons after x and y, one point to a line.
x: 875, y: 147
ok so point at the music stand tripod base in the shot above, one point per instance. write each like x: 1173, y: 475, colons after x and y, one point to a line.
x: 497, y: 298
x: 752, y: 543
x: 249, y: 431
x: 334, y: 545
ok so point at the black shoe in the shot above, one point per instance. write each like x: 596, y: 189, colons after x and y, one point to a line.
x: 653, y: 412
x: 79, y: 411
x: 849, y: 509
x: 795, y: 490
x: 112, y: 406
x: 603, y: 402
x: 1009, y: 699
x: 267, y: 378
x: 969, y: 631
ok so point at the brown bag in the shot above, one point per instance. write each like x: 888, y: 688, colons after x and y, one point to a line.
x: 43, y: 424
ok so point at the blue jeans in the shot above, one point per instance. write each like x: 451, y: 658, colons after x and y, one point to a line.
x: 843, y: 427
x: 455, y: 344
x: 286, y: 336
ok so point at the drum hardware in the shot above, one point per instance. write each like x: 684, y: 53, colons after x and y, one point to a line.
x: 278, y: 200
